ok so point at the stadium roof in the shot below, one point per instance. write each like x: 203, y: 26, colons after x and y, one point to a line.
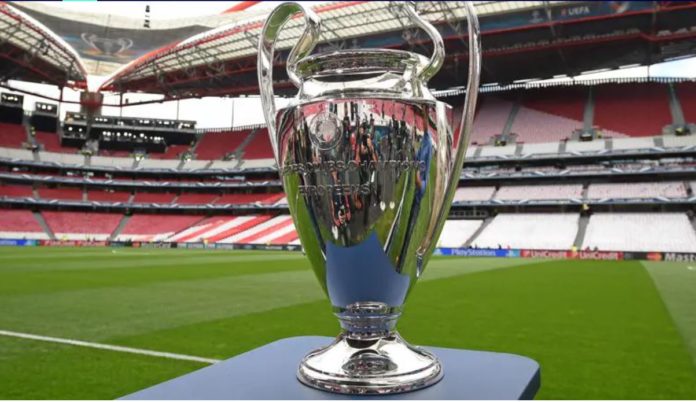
x: 340, y: 21
x: 34, y: 53
x: 216, y: 54
x: 522, y: 40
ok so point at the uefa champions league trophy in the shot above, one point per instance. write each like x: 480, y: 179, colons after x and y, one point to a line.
x: 369, y: 161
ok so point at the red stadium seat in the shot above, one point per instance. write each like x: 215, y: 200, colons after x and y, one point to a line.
x: 18, y: 220
x: 16, y: 191
x: 61, y: 193
x: 87, y: 223
x: 632, y: 110
x: 259, y: 147
x: 12, y: 135
x: 216, y: 145
x: 109, y: 196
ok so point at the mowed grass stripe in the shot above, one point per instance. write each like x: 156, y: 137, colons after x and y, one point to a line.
x: 103, y: 346
x: 95, y: 310
x: 43, y: 370
x: 101, y: 313
x: 108, y: 260
x: 64, y: 276
x: 676, y: 283
x: 598, y: 329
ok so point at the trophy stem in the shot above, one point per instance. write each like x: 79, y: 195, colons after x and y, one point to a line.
x: 368, y: 320
x: 369, y: 356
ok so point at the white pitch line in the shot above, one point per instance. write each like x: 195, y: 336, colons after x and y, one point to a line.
x: 103, y: 346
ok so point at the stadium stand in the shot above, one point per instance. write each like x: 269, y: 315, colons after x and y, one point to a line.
x: 7, y: 190
x: 539, y: 192
x: 549, y: 115
x: 632, y: 110
x: 12, y: 135
x: 249, y: 198
x: 159, y: 198
x: 474, y: 193
x: 554, y: 231
x: 672, y: 141
x: 155, y: 227
x: 61, y: 193
x: 66, y: 158
x: 232, y: 228
x: 490, y: 119
x: 636, y: 190
x: 455, y: 233
x: 259, y: 147
x: 506, y: 150
x: 215, y: 145
x: 20, y: 224
x: 108, y: 196
x: 172, y: 152
x: 263, y: 232
x: 633, y: 143
x: 686, y: 92
x: 194, y: 198
x: 582, y: 146
x: 81, y: 225
x: 51, y: 142
x: 667, y: 232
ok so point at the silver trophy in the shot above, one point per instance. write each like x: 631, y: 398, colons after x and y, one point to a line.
x: 369, y: 161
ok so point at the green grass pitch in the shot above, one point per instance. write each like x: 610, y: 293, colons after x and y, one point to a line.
x: 599, y: 329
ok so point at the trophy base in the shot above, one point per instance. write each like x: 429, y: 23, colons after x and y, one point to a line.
x: 383, y: 365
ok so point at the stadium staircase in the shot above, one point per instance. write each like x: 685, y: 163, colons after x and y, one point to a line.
x: 588, y: 114
x: 249, y: 138
x: 42, y: 222
x: 511, y: 119
x: 675, y: 107
x: 478, y: 231
x: 582, y: 229
x: 119, y: 227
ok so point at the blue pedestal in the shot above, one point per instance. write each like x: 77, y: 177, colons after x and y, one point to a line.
x: 269, y: 373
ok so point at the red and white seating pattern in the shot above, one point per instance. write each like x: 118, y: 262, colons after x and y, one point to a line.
x: 155, y: 227
x: 249, y: 229
x: 490, y: 119
x: 632, y: 110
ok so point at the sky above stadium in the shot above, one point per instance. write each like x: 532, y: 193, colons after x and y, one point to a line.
x: 159, y: 10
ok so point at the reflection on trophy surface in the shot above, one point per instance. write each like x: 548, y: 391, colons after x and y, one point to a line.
x: 369, y: 161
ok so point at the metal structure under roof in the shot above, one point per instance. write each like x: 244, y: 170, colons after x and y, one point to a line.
x: 521, y: 40
x: 341, y: 21
x: 34, y: 53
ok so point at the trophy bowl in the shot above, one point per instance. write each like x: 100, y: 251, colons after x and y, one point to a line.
x: 369, y: 161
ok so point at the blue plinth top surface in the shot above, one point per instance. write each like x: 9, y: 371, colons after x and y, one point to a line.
x: 269, y: 373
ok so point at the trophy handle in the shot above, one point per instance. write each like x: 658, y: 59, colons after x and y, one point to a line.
x: 271, y: 30
x: 474, y: 75
x: 427, y: 71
